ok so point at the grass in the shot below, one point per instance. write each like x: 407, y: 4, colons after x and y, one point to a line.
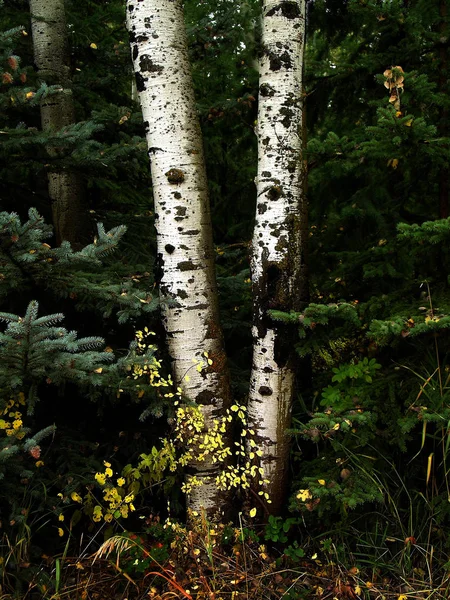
x: 221, y: 562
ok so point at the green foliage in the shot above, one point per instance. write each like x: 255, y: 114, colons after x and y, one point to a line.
x: 277, y: 529
x: 27, y: 261
x: 34, y: 349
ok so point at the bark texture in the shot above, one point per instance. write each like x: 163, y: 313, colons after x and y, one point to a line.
x: 278, y: 256
x: 51, y: 55
x: 184, y: 232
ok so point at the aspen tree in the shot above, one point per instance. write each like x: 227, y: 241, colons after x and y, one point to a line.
x: 51, y: 55
x: 278, y: 261
x: 184, y: 233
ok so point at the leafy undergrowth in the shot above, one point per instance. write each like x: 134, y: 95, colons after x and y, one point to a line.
x: 215, y: 562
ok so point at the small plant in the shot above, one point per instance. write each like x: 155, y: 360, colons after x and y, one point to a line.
x: 277, y: 528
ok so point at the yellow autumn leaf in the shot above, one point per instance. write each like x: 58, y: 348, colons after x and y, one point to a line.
x: 321, y: 481
x: 253, y: 512
x: 99, y: 370
x: 337, y: 426
x: 402, y: 597
x: 392, y: 162
x: 409, y: 122
x: 304, y: 495
x: 429, y: 466
x: 93, y: 46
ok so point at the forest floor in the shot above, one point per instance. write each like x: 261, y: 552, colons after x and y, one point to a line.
x: 221, y: 563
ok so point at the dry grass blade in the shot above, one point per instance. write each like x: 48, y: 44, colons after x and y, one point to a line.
x: 116, y: 543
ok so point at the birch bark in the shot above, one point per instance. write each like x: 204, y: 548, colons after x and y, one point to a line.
x: 278, y: 261
x: 51, y: 55
x: 183, y: 224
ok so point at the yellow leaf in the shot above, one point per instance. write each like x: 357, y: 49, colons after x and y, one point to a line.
x: 429, y: 465
x: 409, y: 123
x: 304, y: 495
x: 358, y: 590
x: 29, y: 95
x: 76, y: 497
x: 93, y: 46
x: 321, y: 481
x: 337, y: 426
x: 402, y: 597
x: 314, y: 556
x: 392, y: 162
x: 99, y: 370
x: 253, y: 512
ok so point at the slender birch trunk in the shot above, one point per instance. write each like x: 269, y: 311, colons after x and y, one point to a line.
x: 51, y: 55
x: 278, y: 261
x: 183, y: 223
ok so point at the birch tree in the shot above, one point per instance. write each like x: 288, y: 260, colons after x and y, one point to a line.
x: 278, y: 262
x: 183, y: 223
x: 51, y: 55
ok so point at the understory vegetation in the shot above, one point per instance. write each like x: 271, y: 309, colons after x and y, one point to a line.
x: 95, y: 433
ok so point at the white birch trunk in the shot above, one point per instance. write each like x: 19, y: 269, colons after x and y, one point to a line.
x: 279, y: 235
x: 51, y: 55
x: 184, y: 232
